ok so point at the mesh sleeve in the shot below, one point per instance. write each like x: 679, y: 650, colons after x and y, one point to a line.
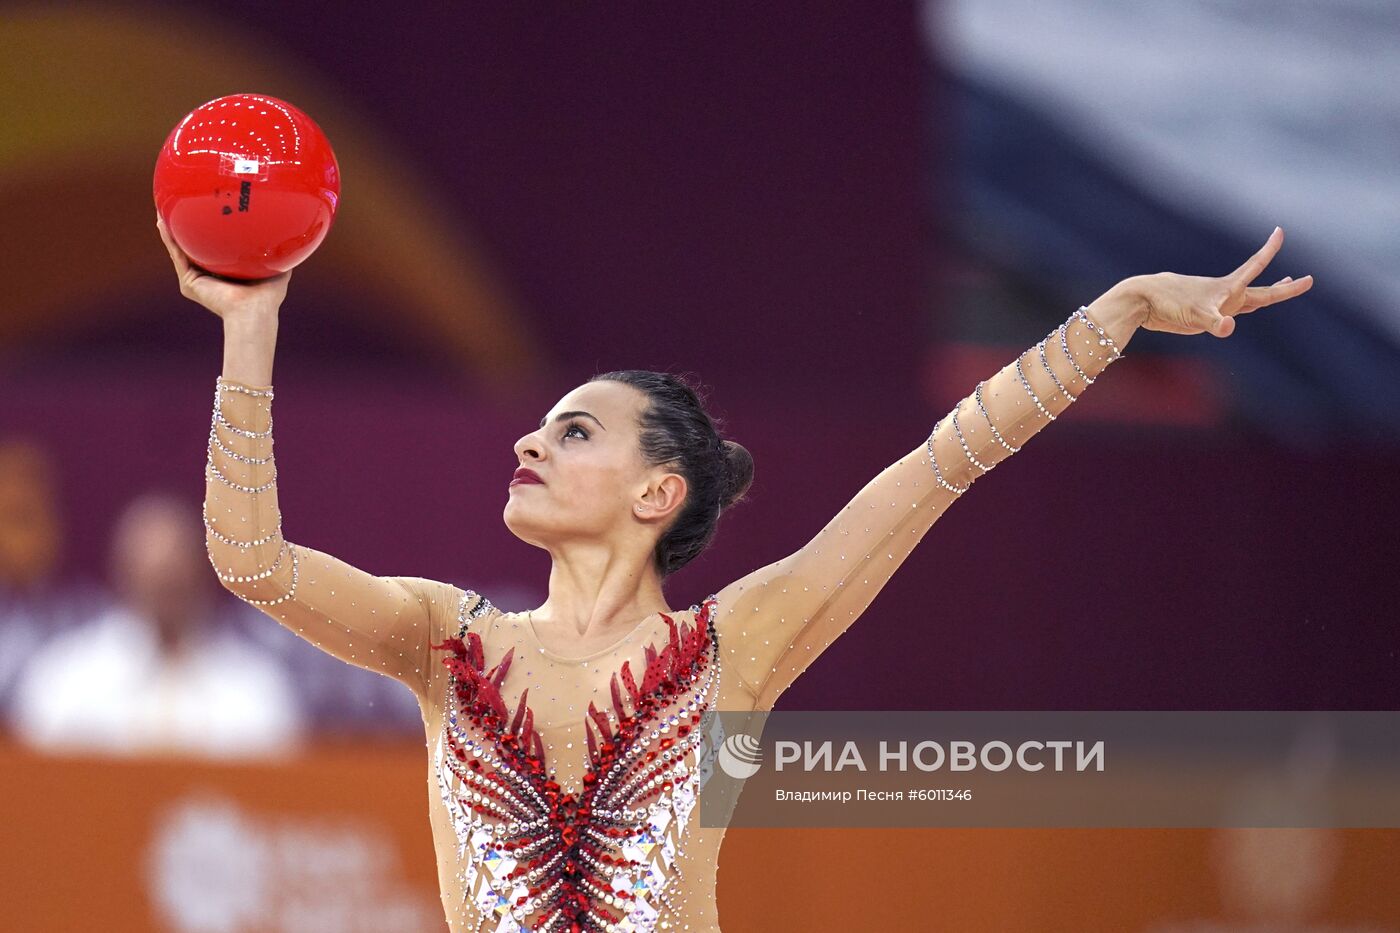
x: 777, y: 620
x: 381, y: 623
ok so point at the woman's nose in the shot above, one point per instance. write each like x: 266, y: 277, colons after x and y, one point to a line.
x: 527, y: 448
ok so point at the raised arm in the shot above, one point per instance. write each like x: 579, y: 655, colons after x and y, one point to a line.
x: 775, y: 621
x: 383, y: 624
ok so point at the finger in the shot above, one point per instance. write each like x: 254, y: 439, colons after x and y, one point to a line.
x: 1281, y: 290
x: 1210, y: 321
x: 1254, y: 265
x: 177, y: 254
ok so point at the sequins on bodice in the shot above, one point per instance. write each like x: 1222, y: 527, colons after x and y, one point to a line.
x: 570, y: 783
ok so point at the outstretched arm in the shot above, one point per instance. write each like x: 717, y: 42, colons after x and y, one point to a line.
x: 775, y: 621
x: 383, y: 624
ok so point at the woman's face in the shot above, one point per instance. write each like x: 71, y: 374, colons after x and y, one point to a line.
x: 588, y: 454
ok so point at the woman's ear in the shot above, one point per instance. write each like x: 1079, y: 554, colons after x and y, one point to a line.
x: 663, y: 498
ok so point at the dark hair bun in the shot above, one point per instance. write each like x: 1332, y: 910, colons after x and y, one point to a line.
x: 674, y: 430
x: 738, y: 472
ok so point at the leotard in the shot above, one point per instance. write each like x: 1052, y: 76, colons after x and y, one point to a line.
x: 562, y: 790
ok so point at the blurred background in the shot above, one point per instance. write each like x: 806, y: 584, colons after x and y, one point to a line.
x: 839, y: 216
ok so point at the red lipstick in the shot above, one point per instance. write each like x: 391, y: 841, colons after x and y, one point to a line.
x: 525, y: 475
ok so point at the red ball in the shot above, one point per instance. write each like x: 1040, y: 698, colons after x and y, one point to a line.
x: 247, y: 185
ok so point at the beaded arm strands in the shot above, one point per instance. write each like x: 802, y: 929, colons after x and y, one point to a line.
x: 380, y: 623
x: 223, y: 386
x: 1103, y: 340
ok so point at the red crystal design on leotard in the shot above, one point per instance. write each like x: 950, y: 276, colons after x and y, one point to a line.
x: 564, y: 846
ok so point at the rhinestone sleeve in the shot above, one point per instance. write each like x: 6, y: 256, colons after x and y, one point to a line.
x: 383, y: 624
x: 776, y: 621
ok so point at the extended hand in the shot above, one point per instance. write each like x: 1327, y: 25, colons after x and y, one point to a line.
x: 225, y: 297
x: 1196, y: 304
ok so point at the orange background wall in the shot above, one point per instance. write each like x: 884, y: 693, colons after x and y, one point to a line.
x: 82, y: 834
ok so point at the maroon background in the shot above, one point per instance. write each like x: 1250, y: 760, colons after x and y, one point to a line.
x: 740, y: 193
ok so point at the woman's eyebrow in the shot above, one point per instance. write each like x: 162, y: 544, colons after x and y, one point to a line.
x: 565, y: 415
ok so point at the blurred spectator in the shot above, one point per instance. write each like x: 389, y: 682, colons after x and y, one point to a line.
x: 28, y: 520
x: 152, y: 673
x: 34, y: 603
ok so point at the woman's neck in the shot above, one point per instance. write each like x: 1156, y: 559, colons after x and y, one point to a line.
x: 594, y: 598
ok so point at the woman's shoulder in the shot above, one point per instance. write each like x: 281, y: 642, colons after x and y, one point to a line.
x: 471, y: 606
x: 454, y: 606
